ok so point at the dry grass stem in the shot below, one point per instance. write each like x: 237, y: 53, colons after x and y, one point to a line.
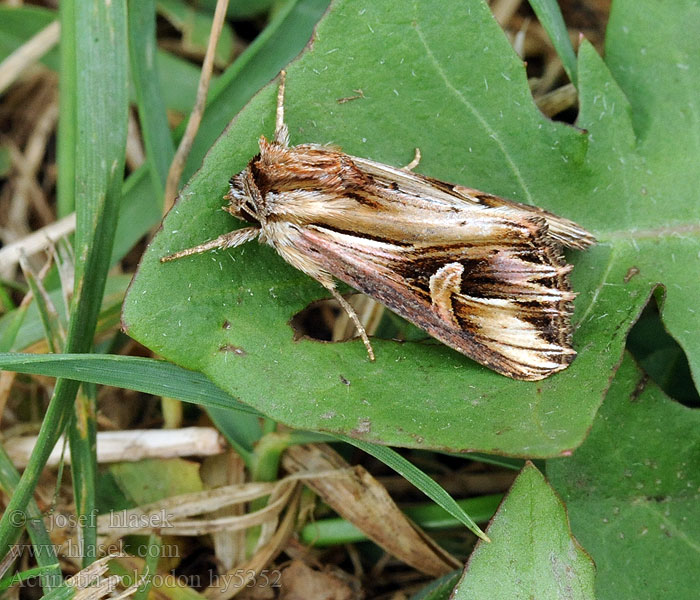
x: 195, y: 119
x: 558, y: 100
x: 149, y: 517
x: 263, y: 557
x: 369, y: 312
x: 361, y: 499
x: 131, y: 445
x: 40, y: 240
x: 503, y: 10
x: 28, y: 54
x: 218, y: 471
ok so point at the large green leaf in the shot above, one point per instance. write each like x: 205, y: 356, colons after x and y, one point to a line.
x: 533, y: 554
x: 632, y: 492
x: 441, y: 77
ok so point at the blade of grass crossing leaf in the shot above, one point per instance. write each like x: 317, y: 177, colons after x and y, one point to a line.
x: 39, y: 536
x: 423, y: 482
x: 146, y: 375
x: 100, y: 66
x: 144, y: 71
x: 550, y: 17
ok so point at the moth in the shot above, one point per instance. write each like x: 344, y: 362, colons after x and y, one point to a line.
x: 484, y: 275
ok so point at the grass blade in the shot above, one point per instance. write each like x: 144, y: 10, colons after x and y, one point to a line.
x: 101, y: 92
x: 550, y: 17
x: 423, y: 482
x: 146, y: 375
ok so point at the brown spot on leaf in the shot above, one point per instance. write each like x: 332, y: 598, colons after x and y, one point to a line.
x: 234, y: 349
x: 634, y: 396
x: 631, y: 272
x: 226, y: 325
x: 343, y: 380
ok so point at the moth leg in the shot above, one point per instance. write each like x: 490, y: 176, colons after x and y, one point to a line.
x: 281, y: 129
x: 227, y: 240
x: 447, y: 280
x: 330, y: 286
x: 414, y: 163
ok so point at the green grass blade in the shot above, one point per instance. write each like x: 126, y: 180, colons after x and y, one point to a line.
x: 51, y: 576
x: 550, y: 17
x: 146, y: 375
x: 423, y: 482
x: 82, y: 436
x: 334, y: 531
x: 67, y: 92
x: 101, y: 91
x: 157, y: 138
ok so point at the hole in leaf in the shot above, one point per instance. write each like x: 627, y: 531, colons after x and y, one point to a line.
x: 324, y: 320
x: 661, y: 356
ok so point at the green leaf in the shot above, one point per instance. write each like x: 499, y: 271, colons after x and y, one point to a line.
x: 654, y: 59
x: 533, y: 554
x: 632, y: 492
x: 452, y: 86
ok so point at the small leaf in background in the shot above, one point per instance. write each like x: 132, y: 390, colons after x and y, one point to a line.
x: 632, y: 492
x: 532, y: 554
x: 149, y: 480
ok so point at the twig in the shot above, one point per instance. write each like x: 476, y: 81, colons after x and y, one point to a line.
x: 27, y: 54
x: 185, y: 146
x: 131, y: 445
x: 40, y: 240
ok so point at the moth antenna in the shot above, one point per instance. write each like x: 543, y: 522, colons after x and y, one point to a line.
x: 353, y: 316
x: 227, y: 240
x: 281, y: 129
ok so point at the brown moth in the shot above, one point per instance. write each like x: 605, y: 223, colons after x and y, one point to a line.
x: 484, y: 275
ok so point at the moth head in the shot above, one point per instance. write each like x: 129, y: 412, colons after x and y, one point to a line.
x: 245, y: 199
